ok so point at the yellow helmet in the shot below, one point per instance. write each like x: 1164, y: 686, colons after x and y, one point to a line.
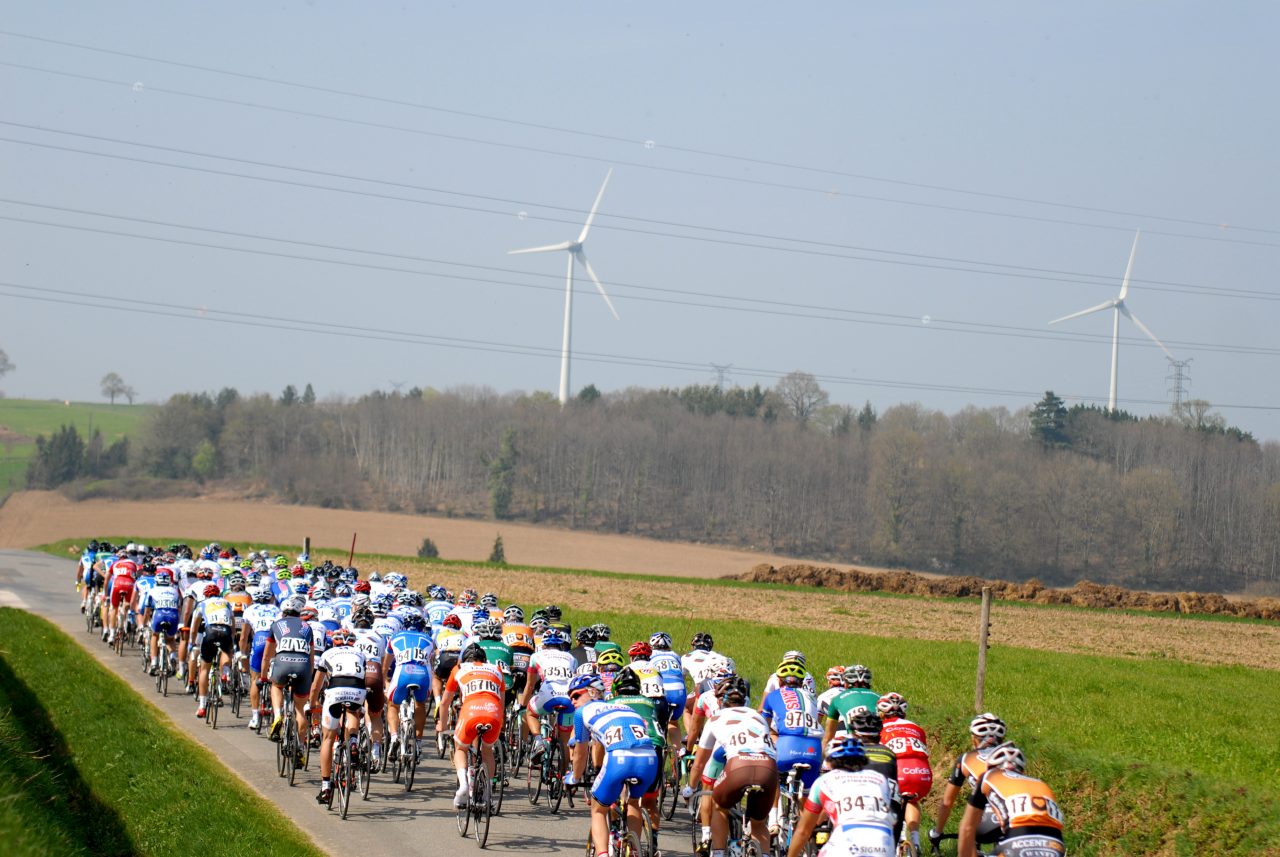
x: 611, y: 658
x: 791, y: 669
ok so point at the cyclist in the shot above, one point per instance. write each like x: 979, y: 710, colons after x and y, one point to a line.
x: 372, y: 645
x: 438, y: 607
x: 449, y: 642
x: 408, y: 663
x: 519, y: 638
x: 1028, y: 814
x: 628, y: 754
x: 481, y: 686
x: 607, y: 665
x: 214, y: 618
x: 857, y: 694
x: 857, y: 799
x: 340, y: 674
x: 585, y: 652
x: 741, y: 736
x: 628, y: 690
x: 792, y: 713
x: 498, y: 653
x: 258, y: 619
x: 986, y: 731
x: 701, y: 665
x: 86, y: 574
x: 835, y: 684
x: 160, y: 614
x: 670, y: 713
x: 603, y: 642
x: 146, y: 580
x: 773, y: 682
x: 465, y: 609
x: 550, y: 670
x: 120, y: 583
x: 910, y: 746
x: 290, y: 651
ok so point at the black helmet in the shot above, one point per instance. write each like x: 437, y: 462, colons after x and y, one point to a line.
x: 734, y: 686
x: 586, y: 635
x: 474, y: 652
x: 626, y: 683
x: 553, y: 612
x: 702, y: 640
x: 864, y: 722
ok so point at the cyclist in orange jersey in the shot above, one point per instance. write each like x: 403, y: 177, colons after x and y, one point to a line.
x: 482, y: 687
x: 1028, y: 814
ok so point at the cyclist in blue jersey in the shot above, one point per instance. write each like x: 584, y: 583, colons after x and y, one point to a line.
x: 408, y: 663
x: 146, y: 580
x: 438, y: 607
x: 628, y: 754
x: 667, y: 663
x: 258, y: 619
x: 792, y: 713
x: 160, y: 612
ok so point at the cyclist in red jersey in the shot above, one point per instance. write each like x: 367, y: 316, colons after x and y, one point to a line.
x: 911, y: 748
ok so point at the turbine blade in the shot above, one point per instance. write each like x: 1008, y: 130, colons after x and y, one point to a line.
x: 582, y: 257
x: 1128, y: 269
x: 563, y: 245
x: 1099, y: 308
x: 1124, y: 310
x: 586, y: 227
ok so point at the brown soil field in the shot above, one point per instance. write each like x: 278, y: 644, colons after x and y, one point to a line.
x: 31, y: 518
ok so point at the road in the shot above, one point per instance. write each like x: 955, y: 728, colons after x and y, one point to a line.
x: 386, y: 824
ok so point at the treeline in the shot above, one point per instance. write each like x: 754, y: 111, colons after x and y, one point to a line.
x: 1046, y: 493
x: 65, y: 456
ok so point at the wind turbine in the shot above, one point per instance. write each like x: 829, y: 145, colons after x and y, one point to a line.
x: 1118, y: 308
x: 577, y: 255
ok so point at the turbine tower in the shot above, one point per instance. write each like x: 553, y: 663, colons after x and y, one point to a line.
x: 1118, y: 308
x: 576, y: 254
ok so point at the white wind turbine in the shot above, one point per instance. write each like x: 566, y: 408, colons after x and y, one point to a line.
x: 1118, y: 307
x: 576, y: 254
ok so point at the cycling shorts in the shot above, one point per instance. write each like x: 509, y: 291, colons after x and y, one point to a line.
x: 797, y: 749
x: 915, y: 778
x: 547, y: 699
x: 445, y: 665
x: 255, y: 654
x: 121, y: 590
x: 740, y: 773
x: 860, y: 840
x: 1037, y: 845
x: 335, y: 699
x: 217, y: 638
x: 710, y: 771
x: 373, y: 683
x: 473, y: 714
x: 406, y: 676
x: 286, y: 668
x: 676, y: 695
x: 165, y: 621
x: 638, y: 764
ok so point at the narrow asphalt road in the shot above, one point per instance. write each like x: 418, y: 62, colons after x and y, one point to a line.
x: 390, y: 822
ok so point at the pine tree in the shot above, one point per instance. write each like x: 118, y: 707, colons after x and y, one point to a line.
x: 498, y: 554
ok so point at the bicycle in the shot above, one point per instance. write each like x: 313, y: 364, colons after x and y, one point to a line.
x: 121, y: 630
x: 790, y: 803
x: 214, y: 702
x: 550, y: 770
x: 478, y: 806
x: 406, y: 747
x: 143, y: 642
x: 163, y: 668
x: 264, y: 703
x: 623, y: 841
x: 740, y: 842
x: 346, y: 761
x: 669, y: 798
x: 238, y: 679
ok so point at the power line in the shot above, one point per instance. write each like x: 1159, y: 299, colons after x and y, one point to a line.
x: 1107, y: 279
x: 613, y: 138
x: 759, y: 305
x: 250, y: 319
x: 826, y: 192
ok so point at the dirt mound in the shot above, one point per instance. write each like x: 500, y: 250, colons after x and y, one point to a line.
x: 1083, y: 594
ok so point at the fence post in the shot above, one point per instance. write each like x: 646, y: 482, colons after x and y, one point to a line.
x: 306, y: 545
x: 983, y: 628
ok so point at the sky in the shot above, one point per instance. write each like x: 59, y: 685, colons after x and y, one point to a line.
x: 895, y: 198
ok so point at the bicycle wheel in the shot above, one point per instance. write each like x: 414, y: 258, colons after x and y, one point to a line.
x: 295, y: 746
x: 499, y: 776
x: 409, y: 755
x: 235, y: 692
x: 365, y: 767
x: 647, y: 835
x: 345, y: 778
x: 630, y: 846
x: 480, y: 794
x: 214, y: 703
x: 555, y: 764
x: 750, y: 848
x: 669, y: 796
x: 463, y: 813
x: 533, y: 782
x: 695, y: 828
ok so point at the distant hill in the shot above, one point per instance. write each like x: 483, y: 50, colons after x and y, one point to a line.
x: 22, y: 420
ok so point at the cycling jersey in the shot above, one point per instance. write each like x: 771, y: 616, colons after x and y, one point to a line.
x: 629, y: 752
x: 645, y: 708
x: 908, y: 743
x: 411, y: 655
x: 164, y: 603
x: 1024, y: 806
x: 293, y: 637
x: 466, y: 615
x: 851, y: 698
x: 499, y: 654
x: 793, y: 715
x: 216, y: 611
x: 436, y: 611
x: 387, y: 626
x: 519, y: 638
x: 482, y: 686
x: 824, y: 700
x: 142, y: 587
x: 737, y: 731
x: 345, y: 668
x: 260, y: 618
x: 861, y: 808
x: 369, y: 643
x: 554, y: 668
x: 702, y: 665
x: 969, y: 767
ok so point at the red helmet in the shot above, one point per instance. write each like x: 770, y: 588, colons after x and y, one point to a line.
x: 297, y: 571
x: 362, y: 586
x: 343, y: 637
x: 640, y: 651
x: 835, y: 677
x: 211, y: 590
x: 452, y: 621
x: 308, y: 614
x: 225, y: 555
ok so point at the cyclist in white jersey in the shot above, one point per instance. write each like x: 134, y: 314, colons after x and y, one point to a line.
x: 858, y: 800
x: 551, y: 668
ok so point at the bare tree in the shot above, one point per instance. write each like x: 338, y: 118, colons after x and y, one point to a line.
x: 113, y: 385
x: 6, y: 365
x: 801, y: 394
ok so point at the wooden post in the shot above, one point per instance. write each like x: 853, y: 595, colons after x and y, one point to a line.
x: 983, y: 628
x: 351, y: 556
x: 306, y: 545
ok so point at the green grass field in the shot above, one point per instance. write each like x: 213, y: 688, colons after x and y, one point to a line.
x: 87, y: 767
x: 31, y: 417
x: 1148, y: 756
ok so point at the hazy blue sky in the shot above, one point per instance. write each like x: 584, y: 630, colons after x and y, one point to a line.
x: 1159, y: 115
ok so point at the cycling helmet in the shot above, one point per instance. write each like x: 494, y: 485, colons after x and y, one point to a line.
x: 360, y: 599
x: 253, y: 578
x: 835, y: 677
x: 553, y: 612
x: 847, y: 748
x: 246, y: 564
x: 374, y: 577
x: 362, y: 617
x: 342, y: 637
x: 350, y: 575
x: 302, y: 589
x: 362, y: 586
x: 381, y: 609
x: 342, y: 590
x: 260, y: 596
x: 297, y: 571
x: 211, y: 590
x: 626, y: 683
x: 436, y: 591
x: 640, y: 651
x: 513, y: 614
x: 468, y: 598
x: 660, y: 640
x: 603, y: 632
x: 236, y: 579
x: 410, y: 598
x: 164, y: 577
x: 724, y: 672
x: 453, y: 620
x: 489, y: 600
x: 309, y: 614
x: 702, y: 640
x: 1008, y: 757
x: 583, y: 683
x: 538, y: 624
x: 797, y: 656
x: 553, y: 638
x: 538, y: 614
x: 864, y: 723
x: 891, y: 705
x: 93, y: 546
x: 733, y: 687
x: 280, y: 562
x: 791, y: 673
x: 612, y: 659
x: 857, y: 676
x: 987, y: 728
x: 489, y: 629
x: 293, y: 605
x: 586, y: 636
x: 413, y: 622
x: 474, y: 652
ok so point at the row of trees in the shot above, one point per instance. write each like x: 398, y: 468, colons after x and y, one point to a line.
x: 65, y: 456
x: 1154, y: 503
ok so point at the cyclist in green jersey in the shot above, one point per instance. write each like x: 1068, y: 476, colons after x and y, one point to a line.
x: 857, y: 694
x: 497, y: 652
x: 626, y: 691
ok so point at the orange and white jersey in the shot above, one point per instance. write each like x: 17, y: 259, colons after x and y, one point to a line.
x: 904, y: 738
x: 477, y: 681
x: 1017, y: 800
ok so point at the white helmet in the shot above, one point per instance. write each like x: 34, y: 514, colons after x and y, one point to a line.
x: 987, y: 728
x: 1007, y: 756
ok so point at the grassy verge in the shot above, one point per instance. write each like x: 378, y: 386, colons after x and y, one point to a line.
x: 87, y: 767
